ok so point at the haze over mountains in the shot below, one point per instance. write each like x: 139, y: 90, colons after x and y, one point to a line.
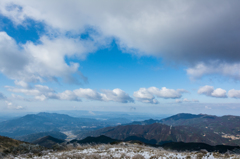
x: 45, y: 122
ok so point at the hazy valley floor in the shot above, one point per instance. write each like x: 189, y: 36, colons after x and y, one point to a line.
x: 126, y: 151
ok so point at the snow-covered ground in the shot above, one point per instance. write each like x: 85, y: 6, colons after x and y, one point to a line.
x: 127, y: 151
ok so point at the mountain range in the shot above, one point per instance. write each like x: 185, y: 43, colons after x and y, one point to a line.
x: 32, y: 137
x: 202, y: 128
x: 45, y: 122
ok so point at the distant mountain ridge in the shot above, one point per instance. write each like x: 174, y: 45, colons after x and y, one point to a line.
x: 48, y: 141
x: 32, y: 137
x: 225, y: 125
x: 203, y: 128
x: 162, y: 133
x: 44, y: 122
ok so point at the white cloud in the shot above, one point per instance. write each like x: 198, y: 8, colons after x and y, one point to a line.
x: 147, y: 95
x: 178, y: 101
x: 88, y: 94
x: 12, y: 59
x: 225, y: 69
x: 143, y: 95
x: 21, y: 83
x: 166, y: 93
x: 41, y: 97
x: 186, y: 100
x: 36, y: 91
x: 221, y: 93
x: 234, y: 93
x: 209, y: 91
x: 184, y: 31
x: 116, y: 95
x: 44, y: 60
x: 42, y: 93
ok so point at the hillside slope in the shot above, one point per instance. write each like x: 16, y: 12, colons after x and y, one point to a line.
x: 160, y: 133
x: 47, y: 141
x: 6, y: 143
x: 226, y: 126
x: 32, y: 137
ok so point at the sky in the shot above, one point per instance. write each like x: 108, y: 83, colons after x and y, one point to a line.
x: 152, y: 56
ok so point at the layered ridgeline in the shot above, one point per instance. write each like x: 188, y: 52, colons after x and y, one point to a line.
x: 46, y: 122
x: 43, y: 122
x: 225, y: 125
x: 32, y: 137
x: 207, y: 129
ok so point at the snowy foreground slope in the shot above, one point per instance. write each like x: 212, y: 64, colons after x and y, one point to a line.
x: 126, y: 151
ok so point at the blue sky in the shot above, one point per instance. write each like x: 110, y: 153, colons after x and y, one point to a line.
x: 164, y: 60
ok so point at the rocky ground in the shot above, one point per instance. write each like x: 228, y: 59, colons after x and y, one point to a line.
x: 124, y: 151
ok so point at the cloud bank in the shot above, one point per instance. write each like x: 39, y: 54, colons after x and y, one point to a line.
x: 42, y: 93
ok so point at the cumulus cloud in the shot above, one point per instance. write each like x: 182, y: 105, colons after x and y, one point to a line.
x: 12, y: 59
x: 234, y: 93
x: 41, y: 93
x: 116, y: 95
x: 209, y: 91
x: 42, y: 61
x: 183, y: 32
x: 147, y: 95
x: 143, y: 95
x: 166, y: 93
